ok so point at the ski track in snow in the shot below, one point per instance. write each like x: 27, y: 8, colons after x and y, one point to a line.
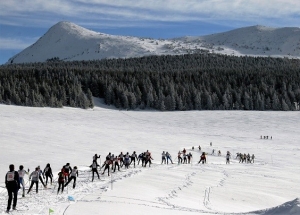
x: 185, y: 188
x: 48, y: 198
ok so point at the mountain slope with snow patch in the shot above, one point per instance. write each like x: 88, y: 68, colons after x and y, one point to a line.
x: 68, y: 41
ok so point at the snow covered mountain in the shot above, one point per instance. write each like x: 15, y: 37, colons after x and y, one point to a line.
x: 69, y: 42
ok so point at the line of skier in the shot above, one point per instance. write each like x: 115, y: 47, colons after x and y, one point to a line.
x: 14, y: 180
x: 247, y: 158
x: 115, y: 162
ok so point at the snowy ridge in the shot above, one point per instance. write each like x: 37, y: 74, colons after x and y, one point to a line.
x: 70, y: 42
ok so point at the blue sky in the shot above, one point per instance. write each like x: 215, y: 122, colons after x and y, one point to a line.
x: 22, y: 22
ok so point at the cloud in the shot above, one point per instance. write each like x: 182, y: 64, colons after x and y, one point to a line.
x: 15, y: 43
x: 137, y: 12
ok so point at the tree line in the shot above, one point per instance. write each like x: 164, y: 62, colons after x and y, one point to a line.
x: 166, y: 83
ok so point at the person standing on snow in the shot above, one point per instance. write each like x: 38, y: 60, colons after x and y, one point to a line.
x: 22, y: 173
x: 189, y: 156
x: 127, y: 160
x: 61, y: 180
x: 107, y: 158
x: 48, y: 173
x: 121, y: 156
x: 67, y: 169
x: 141, y: 158
x: 148, y: 158
x: 73, y: 174
x: 202, y: 158
x: 116, y: 163
x: 228, y: 158
x: 94, y: 166
x: 132, y: 158
x: 106, y: 164
x: 184, y: 158
x: 179, y: 158
x: 163, y: 157
x: 34, y: 177
x: 40, y: 176
x: 12, y: 183
x: 168, y: 157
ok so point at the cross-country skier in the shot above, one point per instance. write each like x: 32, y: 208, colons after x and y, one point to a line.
x: 252, y: 158
x: 116, y: 163
x: 189, y: 156
x: 132, y: 158
x: 179, y: 157
x: 141, y: 158
x: 73, y: 174
x: 163, y: 157
x: 219, y: 153
x: 168, y: 156
x: 106, y: 163
x: 61, y: 180
x: 202, y: 158
x: 48, y: 173
x: 34, y: 177
x: 184, y: 158
x: 107, y: 158
x: 248, y: 158
x: 148, y: 158
x: 40, y: 176
x: 228, y: 158
x: 112, y: 158
x: 22, y: 173
x: 67, y: 169
x: 121, y: 156
x: 126, y: 160
x: 12, y: 183
x: 94, y: 166
x: 199, y: 147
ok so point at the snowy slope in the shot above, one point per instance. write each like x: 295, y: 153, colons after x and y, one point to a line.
x: 255, y: 40
x: 69, y: 42
x: 36, y: 136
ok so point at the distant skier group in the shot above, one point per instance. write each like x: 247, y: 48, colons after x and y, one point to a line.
x: 115, y: 162
x: 247, y: 158
x: 183, y: 157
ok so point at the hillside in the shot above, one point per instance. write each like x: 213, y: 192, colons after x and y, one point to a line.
x: 69, y: 42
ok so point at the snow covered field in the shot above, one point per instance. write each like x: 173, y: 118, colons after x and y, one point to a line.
x: 37, y: 136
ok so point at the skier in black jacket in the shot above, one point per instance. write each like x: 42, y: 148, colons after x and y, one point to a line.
x: 48, y: 173
x: 12, y: 183
x: 94, y: 167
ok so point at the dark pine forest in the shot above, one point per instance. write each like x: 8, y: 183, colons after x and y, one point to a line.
x: 166, y: 83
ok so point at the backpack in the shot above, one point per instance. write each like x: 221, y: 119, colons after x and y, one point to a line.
x: 10, y: 176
